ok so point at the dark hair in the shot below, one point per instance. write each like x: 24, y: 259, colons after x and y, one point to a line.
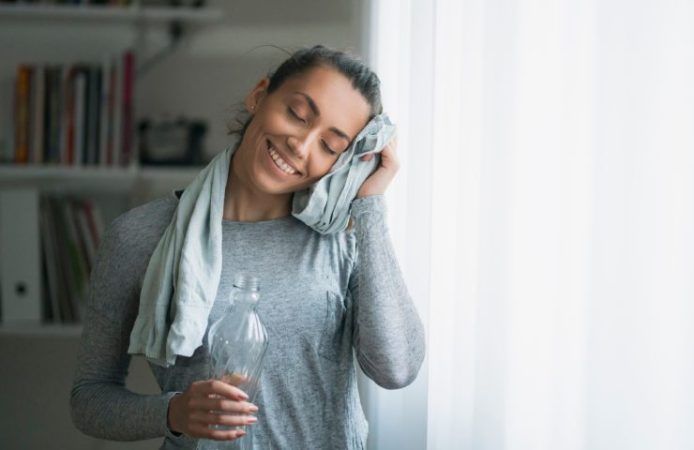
x: 301, y: 61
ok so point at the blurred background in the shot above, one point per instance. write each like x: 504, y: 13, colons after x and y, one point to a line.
x: 542, y: 214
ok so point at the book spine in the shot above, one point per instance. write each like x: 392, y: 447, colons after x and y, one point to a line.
x: 128, y: 88
x: 79, y: 115
x: 51, y: 263
x: 21, y: 115
x: 77, y: 258
x: 89, y: 245
x: 40, y: 99
x: 54, y: 114
x: 66, y: 270
x: 70, y: 116
x: 104, y: 110
x: 118, y: 112
x: 30, y: 116
x: 96, y: 132
x: 63, y: 97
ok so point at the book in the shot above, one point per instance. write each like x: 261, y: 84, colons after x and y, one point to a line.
x: 54, y: 284
x: 104, y: 112
x: 52, y: 115
x: 76, y: 257
x: 128, y: 119
x: 80, y: 113
x: 39, y: 87
x: 21, y: 113
x: 63, y: 261
x: 74, y: 114
x: 117, y: 150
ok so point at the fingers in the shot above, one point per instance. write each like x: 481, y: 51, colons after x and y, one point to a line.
x: 208, y: 403
x: 388, y: 150
x: 222, y: 419
x: 389, y: 158
x: 202, y: 431
x: 224, y: 389
x: 220, y: 404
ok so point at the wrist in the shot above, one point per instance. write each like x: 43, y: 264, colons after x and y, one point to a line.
x: 361, y: 193
x: 373, y: 206
x: 169, y: 414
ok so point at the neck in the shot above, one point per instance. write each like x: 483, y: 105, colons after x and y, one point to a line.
x: 244, y: 203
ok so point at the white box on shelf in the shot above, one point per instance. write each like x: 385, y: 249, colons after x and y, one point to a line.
x: 20, y: 256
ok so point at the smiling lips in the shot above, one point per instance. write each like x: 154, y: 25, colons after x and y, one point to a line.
x: 279, y: 162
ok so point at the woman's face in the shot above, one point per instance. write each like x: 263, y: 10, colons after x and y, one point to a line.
x: 299, y: 130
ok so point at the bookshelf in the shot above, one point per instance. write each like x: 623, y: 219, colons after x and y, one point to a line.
x: 132, y: 13
x: 41, y: 330
x: 114, y: 187
x: 100, y: 179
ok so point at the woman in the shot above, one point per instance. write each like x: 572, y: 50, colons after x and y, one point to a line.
x: 323, y: 296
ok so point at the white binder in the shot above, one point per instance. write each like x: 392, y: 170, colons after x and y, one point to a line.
x: 20, y: 256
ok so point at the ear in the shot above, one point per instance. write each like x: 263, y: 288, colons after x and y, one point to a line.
x: 255, y: 97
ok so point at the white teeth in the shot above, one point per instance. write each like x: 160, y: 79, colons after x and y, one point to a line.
x: 279, y: 162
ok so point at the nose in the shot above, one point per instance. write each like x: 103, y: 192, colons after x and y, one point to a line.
x: 299, y: 145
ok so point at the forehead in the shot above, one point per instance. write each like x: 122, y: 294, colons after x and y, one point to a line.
x: 333, y: 94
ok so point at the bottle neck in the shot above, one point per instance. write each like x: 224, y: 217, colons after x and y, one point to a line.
x: 242, y: 298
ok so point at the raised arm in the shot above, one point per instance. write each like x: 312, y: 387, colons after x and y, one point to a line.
x: 388, y: 332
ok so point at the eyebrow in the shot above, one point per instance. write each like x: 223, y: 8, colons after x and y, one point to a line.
x: 316, y: 111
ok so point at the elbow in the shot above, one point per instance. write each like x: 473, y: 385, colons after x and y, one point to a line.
x: 397, y: 380
x: 394, y: 375
x: 83, y: 418
x: 76, y: 412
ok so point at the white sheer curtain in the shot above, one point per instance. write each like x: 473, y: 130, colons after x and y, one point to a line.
x: 545, y: 218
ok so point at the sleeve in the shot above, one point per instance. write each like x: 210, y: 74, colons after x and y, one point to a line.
x: 100, y: 404
x: 388, y: 333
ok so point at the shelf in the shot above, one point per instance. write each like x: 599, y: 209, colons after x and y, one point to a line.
x: 102, y: 179
x: 109, y: 13
x: 40, y: 330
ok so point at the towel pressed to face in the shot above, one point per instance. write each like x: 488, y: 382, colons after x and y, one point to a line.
x: 325, y: 206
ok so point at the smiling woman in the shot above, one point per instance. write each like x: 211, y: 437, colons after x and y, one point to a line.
x: 298, y: 130
x: 326, y: 297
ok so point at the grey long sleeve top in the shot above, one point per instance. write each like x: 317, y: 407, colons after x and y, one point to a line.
x: 323, y: 299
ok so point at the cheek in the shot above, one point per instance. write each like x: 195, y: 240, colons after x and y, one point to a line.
x: 320, y: 166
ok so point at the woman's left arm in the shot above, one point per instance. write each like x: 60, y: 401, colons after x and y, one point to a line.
x: 388, y: 333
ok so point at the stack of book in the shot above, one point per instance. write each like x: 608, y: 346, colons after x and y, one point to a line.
x: 71, y: 231
x: 75, y: 115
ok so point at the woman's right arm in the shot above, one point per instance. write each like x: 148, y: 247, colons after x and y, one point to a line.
x: 101, y: 405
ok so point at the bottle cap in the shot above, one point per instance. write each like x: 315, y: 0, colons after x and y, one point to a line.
x: 243, y: 281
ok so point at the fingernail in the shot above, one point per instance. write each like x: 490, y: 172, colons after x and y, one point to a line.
x: 253, y: 408
x: 252, y: 420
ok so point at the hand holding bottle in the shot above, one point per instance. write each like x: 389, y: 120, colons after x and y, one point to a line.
x: 193, y: 411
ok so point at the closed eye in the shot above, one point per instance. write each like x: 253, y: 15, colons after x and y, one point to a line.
x: 295, y: 115
x: 328, y: 149
x: 325, y: 146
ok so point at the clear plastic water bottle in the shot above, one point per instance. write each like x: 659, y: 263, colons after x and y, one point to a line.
x: 237, y: 342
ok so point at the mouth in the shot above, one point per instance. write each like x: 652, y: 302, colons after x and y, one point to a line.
x: 281, y: 164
